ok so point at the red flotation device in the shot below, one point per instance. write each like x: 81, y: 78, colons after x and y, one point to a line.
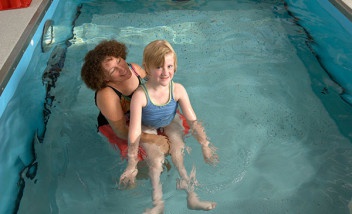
x: 14, y: 4
x: 122, y: 144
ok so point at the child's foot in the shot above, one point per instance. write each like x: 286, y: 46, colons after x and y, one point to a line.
x: 193, y: 203
x: 157, y: 209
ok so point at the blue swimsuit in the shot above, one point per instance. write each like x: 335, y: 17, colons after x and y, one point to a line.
x: 158, y: 116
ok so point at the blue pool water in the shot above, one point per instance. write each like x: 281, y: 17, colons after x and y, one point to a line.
x: 270, y: 104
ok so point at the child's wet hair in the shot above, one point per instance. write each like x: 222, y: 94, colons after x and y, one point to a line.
x: 154, y: 54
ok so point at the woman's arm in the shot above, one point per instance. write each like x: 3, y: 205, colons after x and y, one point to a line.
x: 109, y: 105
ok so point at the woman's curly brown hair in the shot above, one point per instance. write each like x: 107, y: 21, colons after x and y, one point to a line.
x: 92, y: 72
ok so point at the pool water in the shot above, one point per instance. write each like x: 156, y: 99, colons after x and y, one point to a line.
x: 273, y: 112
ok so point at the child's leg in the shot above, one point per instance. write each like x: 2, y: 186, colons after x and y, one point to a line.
x: 174, y: 132
x: 177, y: 147
x: 155, y: 160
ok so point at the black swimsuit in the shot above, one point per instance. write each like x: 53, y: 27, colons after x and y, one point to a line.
x: 124, y: 100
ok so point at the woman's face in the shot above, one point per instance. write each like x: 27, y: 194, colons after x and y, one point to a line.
x: 115, y: 69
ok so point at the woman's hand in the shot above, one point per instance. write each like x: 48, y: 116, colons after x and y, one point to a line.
x: 209, y: 153
x: 160, y: 140
x: 128, y: 179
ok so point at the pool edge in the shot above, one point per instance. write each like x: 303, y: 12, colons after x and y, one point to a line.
x: 344, y: 7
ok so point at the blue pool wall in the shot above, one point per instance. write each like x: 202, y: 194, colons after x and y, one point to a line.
x: 21, y: 117
x: 335, y: 48
x: 20, y: 122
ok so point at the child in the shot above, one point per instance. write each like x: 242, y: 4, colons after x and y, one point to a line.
x: 155, y: 104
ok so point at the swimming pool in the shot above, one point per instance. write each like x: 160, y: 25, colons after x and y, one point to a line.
x: 276, y: 116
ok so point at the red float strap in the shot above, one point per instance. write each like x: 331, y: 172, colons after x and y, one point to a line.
x: 14, y: 4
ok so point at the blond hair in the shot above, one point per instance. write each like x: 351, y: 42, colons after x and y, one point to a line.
x: 154, y: 54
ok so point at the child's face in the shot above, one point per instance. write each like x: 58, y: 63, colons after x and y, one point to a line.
x: 164, y: 73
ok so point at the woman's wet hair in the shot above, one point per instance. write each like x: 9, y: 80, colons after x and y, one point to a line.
x: 92, y: 72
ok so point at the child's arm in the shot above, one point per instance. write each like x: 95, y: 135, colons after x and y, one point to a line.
x: 134, y: 135
x: 197, y: 130
x: 209, y: 151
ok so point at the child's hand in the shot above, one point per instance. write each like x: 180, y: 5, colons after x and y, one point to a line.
x: 128, y: 179
x: 209, y: 154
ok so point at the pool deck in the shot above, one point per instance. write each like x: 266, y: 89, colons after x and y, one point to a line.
x: 345, y: 6
x: 19, y: 25
x: 17, y: 28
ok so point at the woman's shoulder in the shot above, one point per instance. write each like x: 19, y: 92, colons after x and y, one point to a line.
x: 107, y: 93
x: 105, y: 90
x: 137, y: 68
